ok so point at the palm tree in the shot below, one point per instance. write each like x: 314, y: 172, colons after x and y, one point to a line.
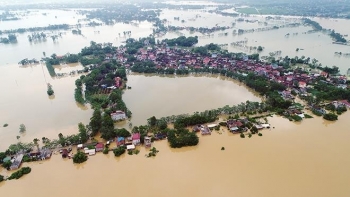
x: 36, y: 140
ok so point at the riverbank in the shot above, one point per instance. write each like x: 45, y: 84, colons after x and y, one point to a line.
x: 294, y: 159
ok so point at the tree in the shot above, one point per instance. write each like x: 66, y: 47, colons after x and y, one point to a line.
x: 1, y: 178
x: 36, y: 140
x: 330, y: 116
x: 107, y: 128
x: 2, y: 156
x: 122, y: 132
x: 22, y: 128
x: 119, y: 151
x: 82, y: 133
x: 96, y: 121
x: 152, y: 121
x: 6, y: 164
x: 259, y: 48
x: 80, y: 157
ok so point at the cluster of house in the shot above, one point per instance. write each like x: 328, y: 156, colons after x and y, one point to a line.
x: 134, y: 140
x: 165, y: 57
x: 238, y: 125
x: 16, y: 160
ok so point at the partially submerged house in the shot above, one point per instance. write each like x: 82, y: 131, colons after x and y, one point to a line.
x: 99, y: 147
x: 147, y: 141
x: 118, y: 115
x: 136, y: 138
x: 17, y: 161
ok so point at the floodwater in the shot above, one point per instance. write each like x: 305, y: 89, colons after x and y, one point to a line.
x: 166, y: 95
x: 24, y: 101
x: 27, y: 102
x: 293, y: 159
x: 306, y: 159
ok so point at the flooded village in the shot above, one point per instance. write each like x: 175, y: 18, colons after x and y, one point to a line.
x: 163, y: 103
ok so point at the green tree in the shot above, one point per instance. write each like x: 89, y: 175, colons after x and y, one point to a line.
x: 96, y: 121
x: 80, y: 157
x: 82, y: 133
x: 22, y: 128
x: 119, y: 151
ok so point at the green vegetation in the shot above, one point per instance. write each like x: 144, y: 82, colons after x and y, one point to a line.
x: 49, y: 90
x: 330, y: 117
x: 105, y: 151
x: 152, y: 152
x: 181, y: 137
x: 182, y: 122
x: 1, y: 178
x: 260, y: 134
x: 182, y: 41
x: 79, y: 157
x: 6, y: 164
x: 5, y: 125
x: 307, y: 116
x: 296, y: 118
x: 119, y: 151
x: 222, y: 148
x: 242, y: 135
x: 11, y: 38
x: 203, y: 50
x: 20, y: 173
x: 22, y: 128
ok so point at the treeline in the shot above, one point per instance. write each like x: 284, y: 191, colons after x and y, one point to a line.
x: 182, y: 41
x: 195, y: 119
x: 203, y: 50
x: 316, y: 26
x: 11, y: 38
x: 32, y: 29
x: 178, y: 138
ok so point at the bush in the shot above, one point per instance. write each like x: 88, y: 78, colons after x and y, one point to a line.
x: 136, y: 152
x: 27, y: 158
x: 6, y: 164
x: 259, y: 134
x: 119, y: 151
x: 330, y: 117
x: 20, y: 173
x: 5, y: 125
x: 182, y: 137
x: 1, y: 178
x: 105, y: 151
x: 296, y: 118
x: 316, y: 113
x: 307, y: 116
x: 130, y: 152
x: 80, y: 157
x: 242, y: 135
x: 222, y: 148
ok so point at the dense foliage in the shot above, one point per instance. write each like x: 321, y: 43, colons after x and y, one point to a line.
x: 182, y: 122
x: 181, y: 137
x: 79, y: 157
x: 330, y: 117
x: 20, y: 173
x: 119, y: 151
x: 182, y: 41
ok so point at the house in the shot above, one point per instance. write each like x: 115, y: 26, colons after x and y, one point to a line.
x: 324, y: 74
x: 345, y: 102
x: 136, y: 138
x: 130, y: 147
x: 99, y: 147
x: 302, y: 84
x: 120, y: 141
x: 17, y: 162
x: 64, y: 153
x: 148, y: 142
x: 118, y: 115
x: 45, y: 154
x: 205, y: 130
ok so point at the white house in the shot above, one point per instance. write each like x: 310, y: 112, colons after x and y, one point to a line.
x: 118, y: 115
